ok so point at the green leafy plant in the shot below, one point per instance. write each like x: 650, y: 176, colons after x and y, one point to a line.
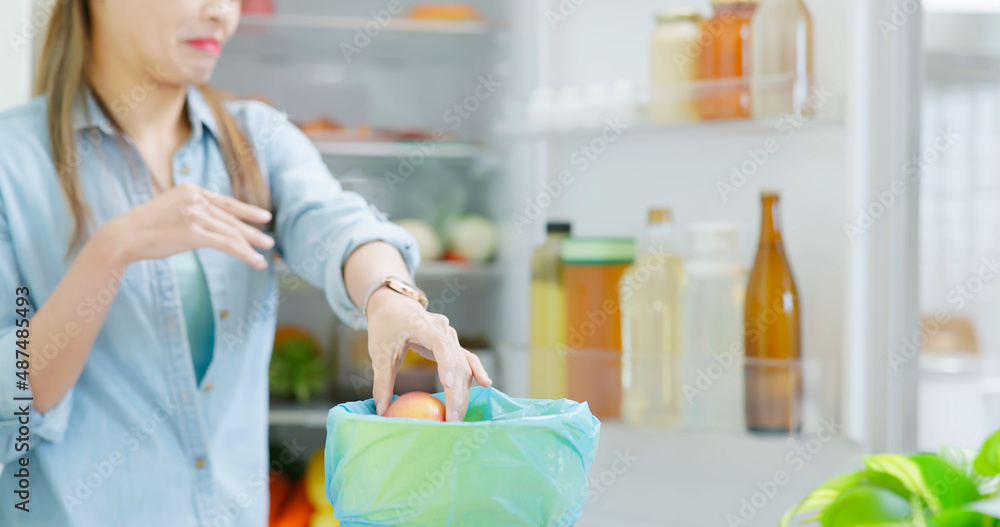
x: 955, y: 488
x: 296, y: 368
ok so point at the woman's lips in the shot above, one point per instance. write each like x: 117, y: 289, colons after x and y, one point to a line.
x: 209, y: 45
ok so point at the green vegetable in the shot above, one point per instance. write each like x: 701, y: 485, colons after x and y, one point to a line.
x: 955, y: 488
x: 296, y: 370
x: 866, y: 504
x: 988, y: 461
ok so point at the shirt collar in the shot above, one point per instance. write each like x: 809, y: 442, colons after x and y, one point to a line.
x: 87, y: 113
x: 200, y: 114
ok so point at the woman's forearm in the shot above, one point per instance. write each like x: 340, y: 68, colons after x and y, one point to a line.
x: 96, y: 271
x: 369, y: 264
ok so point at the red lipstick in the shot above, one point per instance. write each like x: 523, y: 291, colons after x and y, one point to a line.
x: 209, y: 45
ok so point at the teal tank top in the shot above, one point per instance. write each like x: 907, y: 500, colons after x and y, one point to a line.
x: 197, y: 304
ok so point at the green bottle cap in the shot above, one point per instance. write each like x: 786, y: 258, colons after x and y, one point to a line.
x: 596, y: 251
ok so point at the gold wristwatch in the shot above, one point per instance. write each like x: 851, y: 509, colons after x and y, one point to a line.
x: 398, y: 286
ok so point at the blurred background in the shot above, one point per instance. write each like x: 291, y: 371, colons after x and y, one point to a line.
x: 598, y: 189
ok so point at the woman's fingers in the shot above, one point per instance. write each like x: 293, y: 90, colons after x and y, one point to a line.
x: 220, y: 235
x: 241, y: 210
x: 431, y: 336
x: 456, y: 395
x: 453, y: 364
x: 384, y: 367
x: 252, y: 235
x: 477, y: 369
x: 456, y: 366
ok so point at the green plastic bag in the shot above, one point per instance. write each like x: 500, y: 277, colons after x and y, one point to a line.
x: 512, y: 462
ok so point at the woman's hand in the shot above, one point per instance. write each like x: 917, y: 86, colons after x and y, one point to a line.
x: 189, y: 217
x: 397, y: 324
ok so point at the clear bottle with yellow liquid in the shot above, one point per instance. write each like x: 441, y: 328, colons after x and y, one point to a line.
x: 651, y: 294
x: 548, y: 317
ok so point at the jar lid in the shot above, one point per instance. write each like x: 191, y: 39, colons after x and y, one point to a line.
x: 677, y: 13
x: 748, y: 3
x: 598, y: 251
x: 558, y: 227
x: 716, y: 238
x: 659, y: 215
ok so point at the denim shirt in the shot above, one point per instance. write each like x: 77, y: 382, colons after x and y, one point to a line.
x: 137, y: 441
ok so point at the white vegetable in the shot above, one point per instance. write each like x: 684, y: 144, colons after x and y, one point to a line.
x: 427, y: 239
x: 474, y: 237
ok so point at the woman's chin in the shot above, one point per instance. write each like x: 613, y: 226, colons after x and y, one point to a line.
x: 196, y: 74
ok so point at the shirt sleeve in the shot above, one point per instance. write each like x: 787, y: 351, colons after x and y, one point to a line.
x: 317, y: 223
x: 18, y: 416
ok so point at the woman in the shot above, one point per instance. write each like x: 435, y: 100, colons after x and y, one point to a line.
x: 139, y: 215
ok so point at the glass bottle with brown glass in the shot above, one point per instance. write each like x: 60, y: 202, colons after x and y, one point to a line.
x: 772, y: 332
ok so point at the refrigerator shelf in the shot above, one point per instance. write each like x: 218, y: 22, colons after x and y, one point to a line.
x: 591, y: 108
x: 435, y: 270
x: 960, y: 363
x: 308, y: 416
x: 398, y: 24
x: 384, y: 149
x: 439, y: 270
x: 741, y: 128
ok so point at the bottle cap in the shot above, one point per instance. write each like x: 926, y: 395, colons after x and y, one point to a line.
x: 558, y: 227
x: 598, y: 251
x: 716, y: 239
x: 659, y: 215
x: 678, y: 14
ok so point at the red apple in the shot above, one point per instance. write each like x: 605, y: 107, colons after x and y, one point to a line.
x: 418, y: 405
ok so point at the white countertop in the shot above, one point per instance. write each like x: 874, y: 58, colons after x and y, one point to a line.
x: 686, y: 479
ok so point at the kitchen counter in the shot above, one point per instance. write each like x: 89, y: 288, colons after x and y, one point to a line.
x: 654, y: 478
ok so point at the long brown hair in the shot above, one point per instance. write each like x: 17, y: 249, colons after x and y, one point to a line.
x: 62, y: 79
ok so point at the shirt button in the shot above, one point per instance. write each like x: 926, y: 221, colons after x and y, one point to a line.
x: 199, y: 463
x: 185, y: 169
x: 208, y: 387
x: 224, y: 314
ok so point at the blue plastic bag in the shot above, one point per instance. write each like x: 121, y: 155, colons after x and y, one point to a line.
x: 512, y: 462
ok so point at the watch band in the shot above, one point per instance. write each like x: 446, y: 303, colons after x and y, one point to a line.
x: 398, y: 286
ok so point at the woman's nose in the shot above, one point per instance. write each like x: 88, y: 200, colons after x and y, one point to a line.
x: 221, y: 10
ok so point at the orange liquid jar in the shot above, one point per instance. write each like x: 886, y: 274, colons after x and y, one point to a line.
x: 592, y: 269
x: 725, y: 61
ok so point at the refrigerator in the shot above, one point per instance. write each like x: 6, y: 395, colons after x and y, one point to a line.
x: 526, y: 90
x: 520, y: 94
x: 480, y: 81
x: 436, y: 120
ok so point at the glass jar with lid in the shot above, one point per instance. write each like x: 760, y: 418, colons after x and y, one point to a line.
x: 673, y: 66
x: 713, y: 326
x: 592, y: 268
x: 726, y: 59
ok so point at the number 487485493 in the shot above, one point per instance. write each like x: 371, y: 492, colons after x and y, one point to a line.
x: 22, y: 308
